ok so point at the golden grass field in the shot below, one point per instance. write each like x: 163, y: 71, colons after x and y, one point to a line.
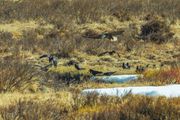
x: 29, y: 29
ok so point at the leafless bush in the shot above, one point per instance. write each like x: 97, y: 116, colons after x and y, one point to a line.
x: 5, y: 36
x: 28, y: 41
x: 32, y: 110
x: 6, y: 41
x: 86, y: 11
x: 66, y: 48
x: 53, y: 42
x: 16, y: 75
x: 96, y: 46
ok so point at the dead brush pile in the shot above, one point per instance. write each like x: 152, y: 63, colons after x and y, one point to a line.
x: 157, y: 31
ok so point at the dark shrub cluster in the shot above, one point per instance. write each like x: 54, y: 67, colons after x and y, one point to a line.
x: 62, y: 80
x: 157, y: 31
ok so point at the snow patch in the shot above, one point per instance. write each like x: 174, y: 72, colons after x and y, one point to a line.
x: 168, y: 91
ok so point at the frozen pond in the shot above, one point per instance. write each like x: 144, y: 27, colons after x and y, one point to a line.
x: 117, y: 78
x: 168, y: 91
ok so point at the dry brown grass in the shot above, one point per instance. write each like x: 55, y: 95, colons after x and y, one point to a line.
x: 85, y: 11
x: 67, y: 106
x: 32, y: 28
x: 16, y: 75
x: 98, y: 15
x: 163, y: 76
